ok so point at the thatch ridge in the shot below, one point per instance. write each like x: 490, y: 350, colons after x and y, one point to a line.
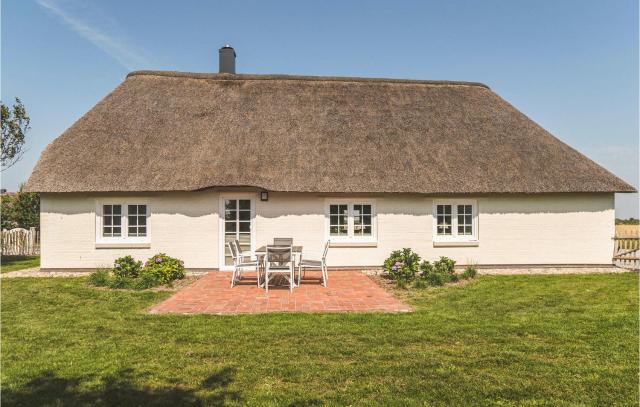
x: 172, y: 131
x: 256, y: 77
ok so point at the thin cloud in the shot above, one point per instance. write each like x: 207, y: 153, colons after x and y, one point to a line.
x: 96, y: 27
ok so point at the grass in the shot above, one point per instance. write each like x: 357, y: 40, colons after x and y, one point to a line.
x: 14, y: 263
x: 507, y: 340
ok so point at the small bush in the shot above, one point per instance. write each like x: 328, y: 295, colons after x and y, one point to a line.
x: 127, y: 266
x: 402, y: 265
x: 121, y: 282
x: 435, y: 279
x: 444, y: 265
x: 99, y: 278
x: 163, y: 268
x: 147, y: 280
x: 469, y: 273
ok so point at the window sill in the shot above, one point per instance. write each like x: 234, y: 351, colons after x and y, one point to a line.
x: 353, y: 244
x: 473, y: 243
x: 123, y: 245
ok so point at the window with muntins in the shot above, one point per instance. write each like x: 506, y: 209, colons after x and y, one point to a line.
x: 351, y: 221
x: 455, y: 220
x: 122, y: 222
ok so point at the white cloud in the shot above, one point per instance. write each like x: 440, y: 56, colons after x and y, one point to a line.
x: 99, y: 29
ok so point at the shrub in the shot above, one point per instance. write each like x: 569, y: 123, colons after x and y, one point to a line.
x: 435, y: 279
x: 127, y: 266
x: 420, y: 283
x: 469, y: 272
x: 147, y: 280
x: 438, y: 273
x: 444, y: 265
x: 121, y: 282
x: 99, y: 278
x: 163, y: 268
x: 402, y: 264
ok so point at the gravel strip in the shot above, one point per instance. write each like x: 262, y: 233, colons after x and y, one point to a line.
x: 35, y: 272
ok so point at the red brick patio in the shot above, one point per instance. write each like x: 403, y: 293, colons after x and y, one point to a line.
x: 348, y: 291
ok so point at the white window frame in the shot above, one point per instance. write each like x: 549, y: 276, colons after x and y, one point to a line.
x: 454, y: 237
x: 350, y: 237
x: 221, y: 242
x: 124, y: 223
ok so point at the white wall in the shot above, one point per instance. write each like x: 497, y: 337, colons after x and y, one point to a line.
x: 183, y: 225
x: 513, y: 229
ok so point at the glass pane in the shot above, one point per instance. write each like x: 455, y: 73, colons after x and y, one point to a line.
x: 366, y: 219
x: 245, y: 204
x: 230, y: 204
x: 333, y: 219
x: 467, y: 219
x: 106, y: 231
x: 245, y: 226
x: 357, y: 220
x: 142, y: 209
x: 342, y: 230
x: 467, y: 230
x: 106, y: 209
x: 344, y: 210
x: 142, y: 220
x: 367, y: 231
x: 230, y: 215
x: 333, y: 230
x: 366, y: 209
x: 107, y: 220
x: 230, y: 227
x: 460, y: 219
x: 142, y: 231
x: 117, y: 220
x: 245, y: 241
x: 245, y: 215
x: 117, y: 209
x: 333, y: 209
x: 460, y: 230
x: 133, y: 231
x: 133, y: 220
x: 132, y: 209
x: 116, y: 230
x: 342, y: 219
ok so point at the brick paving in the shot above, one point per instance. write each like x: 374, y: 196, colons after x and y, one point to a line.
x: 348, y: 291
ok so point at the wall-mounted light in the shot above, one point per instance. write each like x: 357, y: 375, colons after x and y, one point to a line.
x: 264, y: 196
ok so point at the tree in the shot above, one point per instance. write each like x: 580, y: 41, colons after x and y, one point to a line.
x: 20, y: 210
x: 15, y: 123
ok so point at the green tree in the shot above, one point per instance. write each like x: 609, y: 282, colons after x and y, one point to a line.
x: 15, y: 123
x: 20, y: 210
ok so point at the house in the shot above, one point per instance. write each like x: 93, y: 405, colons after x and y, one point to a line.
x: 181, y: 162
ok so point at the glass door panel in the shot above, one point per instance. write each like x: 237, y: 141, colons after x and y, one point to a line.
x: 237, y: 225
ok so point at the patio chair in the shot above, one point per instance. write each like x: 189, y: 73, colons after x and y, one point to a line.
x: 239, y: 264
x: 283, y: 241
x: 250, y: 255
x: 279, y: 260
x: 315, y: 264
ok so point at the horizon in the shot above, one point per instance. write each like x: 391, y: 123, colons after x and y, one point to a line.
x: 62, y: 56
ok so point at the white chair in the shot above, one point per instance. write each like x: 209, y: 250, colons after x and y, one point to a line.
x: 239, y: 264
x: 279, y: 260
x: 315, y: 264
x: 250, y: 256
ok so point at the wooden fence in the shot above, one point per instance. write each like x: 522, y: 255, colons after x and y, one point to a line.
x: 626, y: 252
x: 20, y: 242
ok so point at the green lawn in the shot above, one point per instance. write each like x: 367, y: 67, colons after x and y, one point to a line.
x: 13, y: 263
x: 509, y: 340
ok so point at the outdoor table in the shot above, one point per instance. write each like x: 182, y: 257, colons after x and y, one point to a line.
x: 296, y: 251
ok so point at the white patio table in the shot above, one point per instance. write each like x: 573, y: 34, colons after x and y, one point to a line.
x: 295, y: 250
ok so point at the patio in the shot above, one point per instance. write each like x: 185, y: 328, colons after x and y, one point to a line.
x: 348, y: 291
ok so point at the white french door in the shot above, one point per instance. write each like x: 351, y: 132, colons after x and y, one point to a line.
x: 237, y: 223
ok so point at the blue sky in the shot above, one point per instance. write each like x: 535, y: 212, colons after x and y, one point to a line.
x: 572, y: 66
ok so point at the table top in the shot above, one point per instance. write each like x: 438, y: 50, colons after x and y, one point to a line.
x: 263, y: 249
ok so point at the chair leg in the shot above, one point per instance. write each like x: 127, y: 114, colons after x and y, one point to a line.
x: 325, y: 275
x: 233, y: 277
x: 266, y: 281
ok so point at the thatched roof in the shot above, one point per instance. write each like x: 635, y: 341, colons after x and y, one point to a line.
x: 170, y: 131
